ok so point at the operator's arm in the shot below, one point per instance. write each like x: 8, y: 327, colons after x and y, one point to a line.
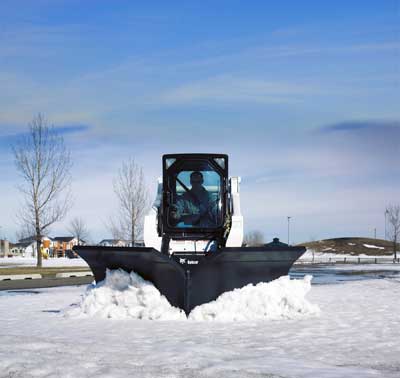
x: 212, y: 209
x: 177, y: 210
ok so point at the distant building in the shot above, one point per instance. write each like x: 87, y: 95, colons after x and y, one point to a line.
x: 139, y: 243
x: 24, y: 249
x: 59, y: 246
x: 4, y: 248
x: 27, y: 247
x: 62, y: 245
x: 114, y: 243
x: 120, y: 243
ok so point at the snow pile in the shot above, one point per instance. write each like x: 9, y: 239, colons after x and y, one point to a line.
x: 125, y: 295
x: 280, y: 299
x: 372, y: 246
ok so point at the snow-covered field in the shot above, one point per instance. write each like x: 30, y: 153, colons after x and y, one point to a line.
x: 52, y: 262
x: 367, y: 267
x: 356, y: 334
x: 309, y: 255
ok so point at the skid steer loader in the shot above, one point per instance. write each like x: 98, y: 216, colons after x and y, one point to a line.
x: 193, y: 237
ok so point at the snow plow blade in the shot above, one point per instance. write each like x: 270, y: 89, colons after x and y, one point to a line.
x: 189, y: 279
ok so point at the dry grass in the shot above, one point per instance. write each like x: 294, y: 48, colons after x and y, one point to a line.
x: 352, y: 246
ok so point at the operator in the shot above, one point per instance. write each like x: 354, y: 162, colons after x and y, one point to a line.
x: 195, y: 207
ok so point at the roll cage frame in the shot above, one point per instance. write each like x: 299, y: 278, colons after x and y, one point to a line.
x: 173, y: 164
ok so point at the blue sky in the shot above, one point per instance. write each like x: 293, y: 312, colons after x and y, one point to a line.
x: 303, y: 96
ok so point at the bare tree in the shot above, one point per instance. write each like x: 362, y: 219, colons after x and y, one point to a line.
x: 133, y: 201
x: 115, y: 229
x: 44, y: 163
x: 77, y: 227
x: 393, y: 212
x: 254, y: 238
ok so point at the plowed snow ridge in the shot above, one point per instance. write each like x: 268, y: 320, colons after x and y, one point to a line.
x: 128, y: 296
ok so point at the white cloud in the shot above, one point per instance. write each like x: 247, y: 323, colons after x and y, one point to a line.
x: 238, y: 89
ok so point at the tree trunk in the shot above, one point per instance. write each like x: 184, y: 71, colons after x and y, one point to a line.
x: 39, y: 252
x: 38, y: 238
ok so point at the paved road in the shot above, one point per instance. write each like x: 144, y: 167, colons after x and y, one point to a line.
x: 44, y: 282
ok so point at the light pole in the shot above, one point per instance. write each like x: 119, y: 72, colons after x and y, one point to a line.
x: 288, y: 229
x: 1, y: 246
x: 386, y: 213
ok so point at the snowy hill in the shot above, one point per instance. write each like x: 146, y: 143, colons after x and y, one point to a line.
x: 352, y: 246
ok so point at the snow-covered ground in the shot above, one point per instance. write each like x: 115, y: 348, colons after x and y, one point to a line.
x: 356, y: 334
x: 51, y: 262
x: 367, y: 267
x: 309, y: 255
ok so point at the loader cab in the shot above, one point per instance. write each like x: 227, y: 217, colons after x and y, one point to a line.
x: 194, y: 204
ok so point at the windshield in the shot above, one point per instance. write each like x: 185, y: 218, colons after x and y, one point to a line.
x: 196, y: 198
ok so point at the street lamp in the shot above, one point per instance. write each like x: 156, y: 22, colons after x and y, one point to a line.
x: 386, y: 213
x: 288, y: 229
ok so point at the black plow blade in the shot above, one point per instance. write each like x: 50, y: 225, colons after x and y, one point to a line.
x: 189, y: 279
